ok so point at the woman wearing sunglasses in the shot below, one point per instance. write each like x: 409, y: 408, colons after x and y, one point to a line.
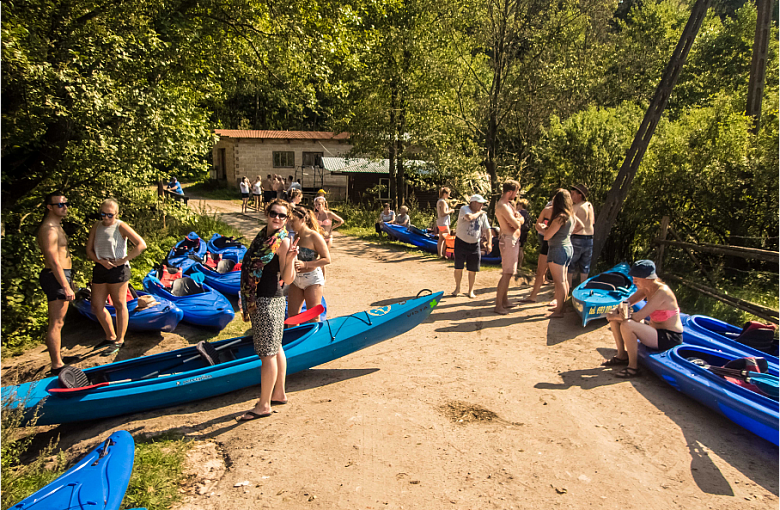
x: 268, y: 262
x: 107, y: 247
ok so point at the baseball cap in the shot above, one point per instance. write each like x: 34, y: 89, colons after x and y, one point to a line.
x: 477, y: 198
x: 643, y: 269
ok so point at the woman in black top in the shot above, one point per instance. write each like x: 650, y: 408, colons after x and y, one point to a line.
x: 269, y: 260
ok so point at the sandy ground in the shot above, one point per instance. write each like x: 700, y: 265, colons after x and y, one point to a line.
x: 469, y: 410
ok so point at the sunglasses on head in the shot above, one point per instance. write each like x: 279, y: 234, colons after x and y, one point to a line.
x: 60, y: 204
x: 274, y: 214
x: 107, y: 214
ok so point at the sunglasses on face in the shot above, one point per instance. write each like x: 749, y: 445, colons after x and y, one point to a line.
x: 107, y: 215
x: 274, y: 214
x: 60, y: 205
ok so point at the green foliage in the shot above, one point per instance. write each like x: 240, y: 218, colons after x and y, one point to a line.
x: 157, y: 472
x: 19, y: 477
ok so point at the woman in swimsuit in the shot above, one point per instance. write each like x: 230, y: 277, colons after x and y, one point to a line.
x: 327, y: 219
x: 244, y: 185
x: 313, y: 255
x: 664, y: 330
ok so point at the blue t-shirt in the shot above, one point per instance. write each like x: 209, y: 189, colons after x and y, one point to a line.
x: 176, y: 187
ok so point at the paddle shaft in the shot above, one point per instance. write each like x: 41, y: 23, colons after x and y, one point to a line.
x: 156, y: 372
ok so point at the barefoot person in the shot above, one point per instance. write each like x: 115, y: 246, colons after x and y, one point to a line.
x: 522, y: 208
x: 541, y: 263
x: 664, y: 330
x: 327, y: 219
x: 582, y: 239
x: 443, y: 212
x: 511, y: 223
x: 558, y: 236
x: 56, y: 279
x: 107, y: 248
x: 313, y: 256
x: 269, y: 260
x: 472, y: 224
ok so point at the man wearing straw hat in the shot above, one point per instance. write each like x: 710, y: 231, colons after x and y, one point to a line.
x: 581, y: 240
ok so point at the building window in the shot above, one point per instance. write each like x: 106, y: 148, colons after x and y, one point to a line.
x: 384, y: 194
x: 284, y: 159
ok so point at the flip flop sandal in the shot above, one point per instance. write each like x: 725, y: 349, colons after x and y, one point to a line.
x: 629, y: 373
x: 615, y: 362
x: 112, y: 349
x: 251, y: 416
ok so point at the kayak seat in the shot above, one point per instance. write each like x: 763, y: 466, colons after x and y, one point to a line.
x: 212, y: 260
x: 600, y: 286
x: 617, y: 280
x: 225, y: 242
x: 237, y: 267
x: 186, y: 286
x: 208, y: 352
x: 169, y: 274
x: 757, y: 335
x: 225, y: 266
x: 72, y: 377
x: 186, y: 246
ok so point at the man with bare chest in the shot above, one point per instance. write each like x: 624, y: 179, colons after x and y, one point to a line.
x: 56, y: 279
x: 582, y: 239
x: 509, y: 243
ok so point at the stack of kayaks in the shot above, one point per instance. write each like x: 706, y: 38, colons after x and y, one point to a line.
x: 185, y: 375
x: 162, y: 316
x: 706, y: 331
x: 179, y: 256
x: 228, y: 282
x: 226, y: 247
x: 596, y: 297
x: 749, y: 409
x: 97, y: 482
x: 397, y: 231
x: 202, y: 305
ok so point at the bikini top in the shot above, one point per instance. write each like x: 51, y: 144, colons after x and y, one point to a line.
x: 324, y: 223
x: 663, y: 315
x: 307, y: 254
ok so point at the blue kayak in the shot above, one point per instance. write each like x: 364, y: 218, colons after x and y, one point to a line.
x: 163, y: 316
x: 323, y: 315
x: 186, y: 375
x: 179, y: 256
x: 719, y: 335
x: 423, y: 240
x: 597, y: 296
x: 755, y: 412
x: 397, y: 231
x: 226, y: 247
x: 228, y: 283
x: 97, y: 482
x: 202, y: 305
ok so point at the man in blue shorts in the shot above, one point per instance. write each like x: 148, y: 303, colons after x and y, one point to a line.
x: 581, y: 240
x: 472, y: 224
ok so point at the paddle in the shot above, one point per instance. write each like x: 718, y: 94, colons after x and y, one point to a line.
x: 305, y: 316
x: 767, y: 383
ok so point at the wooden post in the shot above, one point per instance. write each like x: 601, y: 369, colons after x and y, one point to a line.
x: 693, y: 257
x: 659, y: 263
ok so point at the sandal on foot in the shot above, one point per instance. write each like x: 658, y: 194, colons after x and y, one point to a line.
x: 615, y: 361
x: 279, y: 402
x: 112, y: 349
x: 251, y: 415
x: 628, y: 373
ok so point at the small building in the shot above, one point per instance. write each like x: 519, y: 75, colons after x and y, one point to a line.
x: 364, y: 174
x: 253, y: 153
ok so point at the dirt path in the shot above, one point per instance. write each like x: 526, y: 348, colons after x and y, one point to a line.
x: 469, y: 410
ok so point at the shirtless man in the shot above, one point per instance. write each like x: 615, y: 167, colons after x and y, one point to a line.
x: 509, y: 242
x: 581, y: 240
x: 56, y: 279
x: 268, y: 189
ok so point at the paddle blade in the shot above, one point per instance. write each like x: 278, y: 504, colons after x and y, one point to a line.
x: 74, y: 391
x: 305, y: 316
x: 767, y: 383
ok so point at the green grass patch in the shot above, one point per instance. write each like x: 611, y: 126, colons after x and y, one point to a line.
x: 157, y: 473
x: 213, y: 189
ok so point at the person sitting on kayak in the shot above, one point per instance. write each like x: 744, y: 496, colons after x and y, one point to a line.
x: 402, y: 220
x: 268, y: 262
x: 664, y: 330
x: 386, y: 216
x: 312, y: 257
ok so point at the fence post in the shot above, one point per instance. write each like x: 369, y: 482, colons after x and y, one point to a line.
x: 659, y: 263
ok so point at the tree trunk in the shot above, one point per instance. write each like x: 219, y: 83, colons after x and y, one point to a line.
x: 400, y: 174
x: 392, y: 148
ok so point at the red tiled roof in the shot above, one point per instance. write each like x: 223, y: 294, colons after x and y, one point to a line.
x: 283, y: 135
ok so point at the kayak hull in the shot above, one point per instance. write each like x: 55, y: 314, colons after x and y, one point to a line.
x: 397, y: 231
x: 179, y: 256
x: 226, y: 283
x: 209, y: 309
x: 715, y: 334
x: 748, y: 409
x: 597, y: 296
x: 176, y: 382
x: 231, y: 252
x: 164, y: 316
x: 97, y: 482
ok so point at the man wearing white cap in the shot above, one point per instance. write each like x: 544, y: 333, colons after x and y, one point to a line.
x: 472, y: 222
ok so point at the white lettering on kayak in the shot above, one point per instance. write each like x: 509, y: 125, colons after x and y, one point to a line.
x: 203, y: 377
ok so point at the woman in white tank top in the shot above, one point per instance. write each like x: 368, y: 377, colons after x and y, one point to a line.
x: 107, y: 247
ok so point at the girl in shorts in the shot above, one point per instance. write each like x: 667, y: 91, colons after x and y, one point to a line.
x: 244, y: 185
x: 107, y: 247
x: 313, y: 255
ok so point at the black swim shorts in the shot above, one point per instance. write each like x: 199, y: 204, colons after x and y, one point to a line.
x: 51, y: 286
x: 668, y: 339
x: 268, y: 196
x: 543, y: 246
x: 467, y: 254
x: 119, y: 274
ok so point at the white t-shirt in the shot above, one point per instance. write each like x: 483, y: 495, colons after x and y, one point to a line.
x: 471, y: 231
x: 442, y: 221
x: 244, y: 187
x: 258, y: 188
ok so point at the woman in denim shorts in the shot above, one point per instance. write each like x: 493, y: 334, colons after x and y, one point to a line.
x: 557, y: 233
